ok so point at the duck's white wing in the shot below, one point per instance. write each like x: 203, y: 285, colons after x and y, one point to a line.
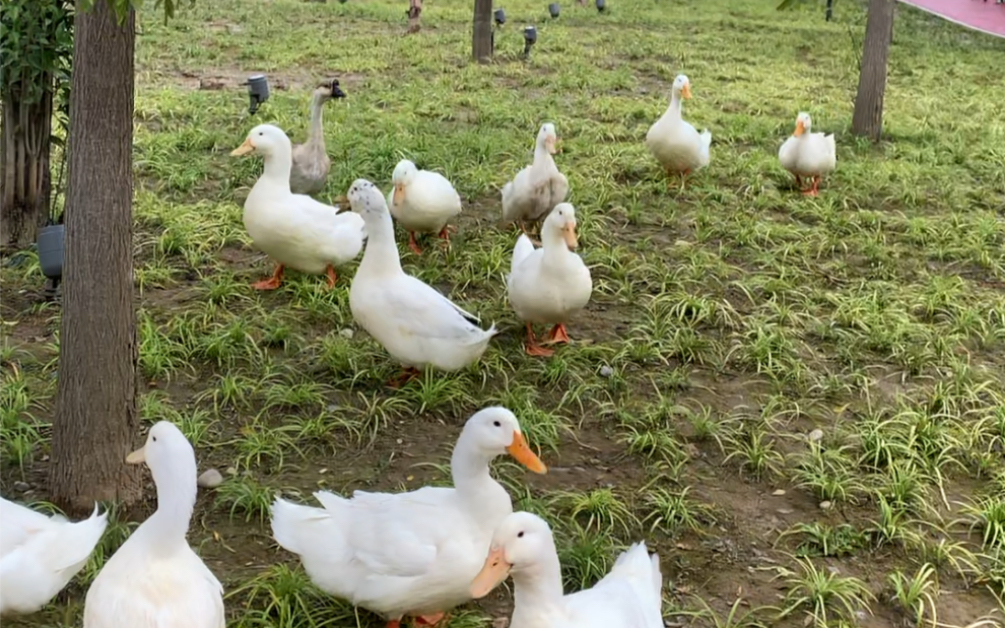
x: 18, y: 523
x: 524, y: 248
x: 419, y: 309
x: 400, y: 534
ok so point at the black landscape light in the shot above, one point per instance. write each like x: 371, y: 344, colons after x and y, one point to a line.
x: 500, y: 17
x: 258, y: 91
x: 554, y: 9
x: 601, y: 5
x: 529, y: 39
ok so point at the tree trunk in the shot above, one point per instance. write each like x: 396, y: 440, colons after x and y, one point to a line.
x: 481, y: 41
x: 868, y: 117
x: 96, y: 423
x: 24, y: 163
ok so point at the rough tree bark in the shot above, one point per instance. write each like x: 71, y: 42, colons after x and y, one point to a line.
x: 96, y: 423
x: 24, y: 164
x: 481, y: 39
x: 867, y: 120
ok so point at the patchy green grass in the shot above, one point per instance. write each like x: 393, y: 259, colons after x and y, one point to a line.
x: 799, y: 402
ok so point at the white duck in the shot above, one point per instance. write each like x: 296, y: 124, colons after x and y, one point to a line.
x: 422, y: 201
x: 630, y: 596
x: 415, y: 323
x: 676, y: 144
x: 550, y: 284
x: 410, y: 553
x: 155, y: 580
x: 536, y: 189
x: 808, y: 155
x: 294, y: 229
x: 39, y: 555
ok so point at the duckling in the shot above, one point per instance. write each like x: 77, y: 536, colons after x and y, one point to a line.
x: 808, y: 155
x: 674, y: 142
x: 536, y: 189
x: 310, y: 159
x: 422, y: 201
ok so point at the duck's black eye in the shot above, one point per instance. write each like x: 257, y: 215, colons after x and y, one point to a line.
x: 520, y: 535
x: 497, y: 423
x: 153, y: 438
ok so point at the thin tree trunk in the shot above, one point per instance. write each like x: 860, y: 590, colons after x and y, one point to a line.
x: 481, y: 40
x: 96, y: 423
x: 867, y: 119
x: 24, y: 163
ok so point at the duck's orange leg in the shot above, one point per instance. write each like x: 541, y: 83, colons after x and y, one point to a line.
x: 533, y: 348
x: 445, y: 233
x: 332, y: 277
x: 558, y: 335
x: 813, y: 191
x: 412, y: 244
x: 408, y: 373
x: 272, y: 282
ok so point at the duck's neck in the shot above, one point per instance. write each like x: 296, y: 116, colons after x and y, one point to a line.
x: 542, y: 156
x: 317, y: 135
x: 538, y: 587
x: 381, y: 254
x: 675, y: 105
x: 469, y: 468
x: 176, y: 494
x: 555, y: 248
x: 277, y: 168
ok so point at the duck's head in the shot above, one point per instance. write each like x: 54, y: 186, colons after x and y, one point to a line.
x: 495, y: 431
x: 329, y: 89
x: 548, y: 138
x: 803, y: 124
x: 366, y: 200
x: 403, y: 174
x: 562, y: 222
x: 168, y: 454
x: 265, y: 139
x: 682, y: 86
x: 518, y: 544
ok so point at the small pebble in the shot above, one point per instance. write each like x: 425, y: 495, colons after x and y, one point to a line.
x: 345, y: 333
x: 21, y: 487
x: 606, y: 371
x: 779, y: 492
x: 816, y: 435
x: 785, y: 511
x: 825, y: 505
x: 210, y: 478
x: 231, y: 471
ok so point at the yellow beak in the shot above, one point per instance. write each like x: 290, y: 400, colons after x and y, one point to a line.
x: 138, y: 456
x: 686, y: 91
x: 243, y: 149
x: 569, y: 234
x: 522, y: 453
x: 495, y: 570
x: 399, y: 193
x: 800, y: 128
x: 552, y: 144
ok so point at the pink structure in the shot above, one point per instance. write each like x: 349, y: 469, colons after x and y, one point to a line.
x: 987, y: 16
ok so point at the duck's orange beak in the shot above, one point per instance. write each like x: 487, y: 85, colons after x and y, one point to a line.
x: 522, y: 453
x: 243, y: 149
x: 493, y: 573
x: 686, y: 91
x: 399, y: 193
x: 569, y: 234
x: 800, y: 128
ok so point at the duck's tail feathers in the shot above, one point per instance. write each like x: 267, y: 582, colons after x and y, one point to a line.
x: 642, y: 570
x: 524, y: 247
x: 299, y: 529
